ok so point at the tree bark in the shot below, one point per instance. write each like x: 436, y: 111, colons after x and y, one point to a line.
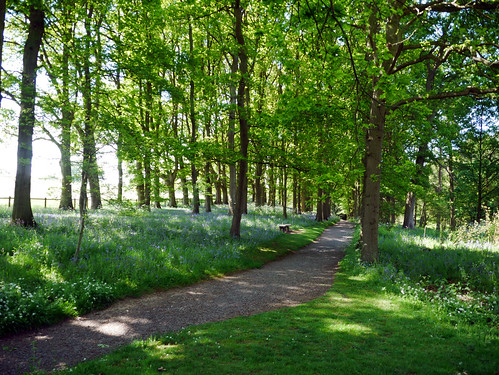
x: 372, y: 173
x: 170, y: 182
x: 218, y: 184
x: 231, y: 135
x: 192, y: 113
x: 119, y: 155
x: 259, y: 185
x: 3, y: 10
x: 89, y: 148
x: 318, y: 214
x: 284, y: 199
x: 208, y: 196
x: 156, y: 187
x: 139, y: 184
x: 235, y: 230
x: 452, y: 196
x: 66, y: 202
x: 22, y: 213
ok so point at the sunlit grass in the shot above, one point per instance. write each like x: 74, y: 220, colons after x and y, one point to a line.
x: 124, y: 252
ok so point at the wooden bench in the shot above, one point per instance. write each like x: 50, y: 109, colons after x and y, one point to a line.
x: 284, y: 228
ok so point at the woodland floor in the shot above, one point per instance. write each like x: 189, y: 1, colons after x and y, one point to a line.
x: 292, y: 280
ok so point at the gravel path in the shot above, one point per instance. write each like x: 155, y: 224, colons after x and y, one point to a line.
x: 297, y: 278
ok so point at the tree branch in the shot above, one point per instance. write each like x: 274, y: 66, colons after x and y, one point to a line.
x: 441, y: 6
x: 468, y: 91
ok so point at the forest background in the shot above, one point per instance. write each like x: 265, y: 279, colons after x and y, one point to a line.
x: 375, y: 109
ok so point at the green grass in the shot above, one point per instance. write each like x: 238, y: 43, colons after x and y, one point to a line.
x: 358, y: 327
x: 125, y: 252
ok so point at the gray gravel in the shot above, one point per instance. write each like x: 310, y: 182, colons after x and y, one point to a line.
x: 296, y: 278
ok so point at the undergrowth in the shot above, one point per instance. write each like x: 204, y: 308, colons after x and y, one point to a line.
x: 460, y: 279
x: 124, y: 252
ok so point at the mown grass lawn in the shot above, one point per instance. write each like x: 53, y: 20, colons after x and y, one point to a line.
x: 365, y: 324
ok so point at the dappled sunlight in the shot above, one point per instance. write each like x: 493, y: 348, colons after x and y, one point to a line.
x: 118, y: 326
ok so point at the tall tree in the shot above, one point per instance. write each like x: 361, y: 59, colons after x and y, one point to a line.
x: 242, y: 112
x: 3, y: 10
x: 22, y: 213
x: 394, y: 48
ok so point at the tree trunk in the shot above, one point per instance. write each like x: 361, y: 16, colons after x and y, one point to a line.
x: 295, y: 194
x: 438, y: 217
x: 93, y: 172
x: 185, y: 190
x: 192, y: 113
x: 147, y: 180
x: 3, y: 10
x: 208, y: 196
x: 318, y: 214
x: 89, y: 148
x: 235, y: 230
x: 22, y: 213
x: 139, y: 184
x: 452, y: 196
x: 156, y: 187
x: 225, y: 191
x: 272, y: 187
x: 66, y: 202
x: 326, y: 212
x: 410, y: 202
x: 259, y: 185
x: 372, y: 173
x: 284, y: 199
x: 170, y: 182
x: 218, y: 185
x: 231, y: 135
x: 480, y: 175
x: 119, y: 155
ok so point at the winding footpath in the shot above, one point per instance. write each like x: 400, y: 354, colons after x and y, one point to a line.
x: 297, y: 278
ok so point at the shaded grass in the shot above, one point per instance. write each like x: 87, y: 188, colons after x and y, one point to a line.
x: 356, y: 328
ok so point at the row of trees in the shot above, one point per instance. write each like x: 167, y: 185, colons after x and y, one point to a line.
x: 380, y: 107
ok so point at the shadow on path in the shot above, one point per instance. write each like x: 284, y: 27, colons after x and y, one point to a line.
x: 296, y: 278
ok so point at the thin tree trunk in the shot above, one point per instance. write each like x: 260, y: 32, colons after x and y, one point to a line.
x: 272, y: 187
x: 480, y: 175
x: 225, y: 191
x: 66, y: 202
x: 284, y: 198
x: 22, y: 213
x: 208, y: 196
x: 3, y: 10
x: 218, y: 185
x: 320, y: 206
x: 194, y: 172
x: 139, y: 184
x: 185, y: 189
x: 438, y: 218
x: 156, y: 187
x: 119, y: 155
x: 259, y: 185
x: 147, y: 180
x: 231, y: 136
x: 93, y: 173
x: 89, y: 148
x: 452, y: 196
